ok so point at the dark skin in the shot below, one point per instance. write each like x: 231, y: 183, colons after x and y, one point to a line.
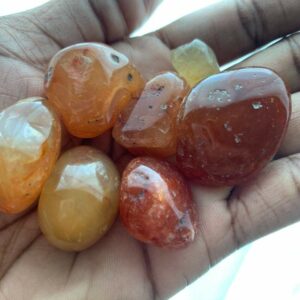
x: 119, y: 267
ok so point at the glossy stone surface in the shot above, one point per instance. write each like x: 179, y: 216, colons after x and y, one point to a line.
x: 147, y: 126
x: 79, y: 202
x: 156, y: 205
x: 195, y: 61
x: 89, y: 84
x: 30, y: 140
x: 231, y: 125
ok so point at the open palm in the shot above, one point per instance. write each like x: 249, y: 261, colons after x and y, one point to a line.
x: 118, y: 267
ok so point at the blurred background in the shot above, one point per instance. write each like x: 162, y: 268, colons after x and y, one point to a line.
x: 267, y: 269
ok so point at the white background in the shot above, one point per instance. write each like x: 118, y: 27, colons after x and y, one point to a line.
x: 265, y: 270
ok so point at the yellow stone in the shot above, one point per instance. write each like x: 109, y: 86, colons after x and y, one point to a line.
x: 79, y: 202
x: 30, y: 141
x: 195, y: 61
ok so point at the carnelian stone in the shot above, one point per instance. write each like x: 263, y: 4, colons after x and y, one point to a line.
x: 156, y: 205
x: 80, y: 200
x: 89, y: 84
x: 231, y: 125
x: 147, y: 126
x: 30, y: 141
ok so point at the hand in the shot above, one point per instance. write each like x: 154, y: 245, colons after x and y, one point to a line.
x: 118, y: 267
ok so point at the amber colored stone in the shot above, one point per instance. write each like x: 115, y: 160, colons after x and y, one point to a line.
x: 195, y: 61
x: 30, y: 139
x: 156, y: 205
x: 148, y: 125
x: 231, y: 125
x: 89, y: 84
x: 79, y: 201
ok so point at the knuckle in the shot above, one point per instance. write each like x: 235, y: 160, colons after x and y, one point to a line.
x: 252, y: 19
x: 293, y: 43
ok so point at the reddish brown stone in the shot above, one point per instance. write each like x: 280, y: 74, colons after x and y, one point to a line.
x: 231, y: 125
x: 156, y: 205
x: 147, y: 126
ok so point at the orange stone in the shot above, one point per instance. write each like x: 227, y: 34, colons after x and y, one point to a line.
x: 147, y: 126
x: 30, y: 140
x: 80, y: 200
x: 90, y: 84
x: 231, y: 125
x: 156, y: 205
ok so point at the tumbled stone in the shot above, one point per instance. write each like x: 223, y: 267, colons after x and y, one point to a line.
x: 90, y: 84
x: 156, y: 205
x: 147, y: 126
x: 231, y: 125
x: 80, y: 200
x: 30, y: 141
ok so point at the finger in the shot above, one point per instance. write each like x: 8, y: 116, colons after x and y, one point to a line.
x: 119, y: 18
x: 269, y: 202
x: 235, y: 27
x: 291, y: 142
x: 283, y: 57
x: 137, y: 13
x: 36, y: 35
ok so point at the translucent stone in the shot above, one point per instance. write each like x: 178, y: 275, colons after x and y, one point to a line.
x: 156, y: 205
x: 90, y: 84
x: 147, y: 126
x: 231, y: 125
x: 30, y: 140
x: 195, y: 61
x: 79, y: 201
